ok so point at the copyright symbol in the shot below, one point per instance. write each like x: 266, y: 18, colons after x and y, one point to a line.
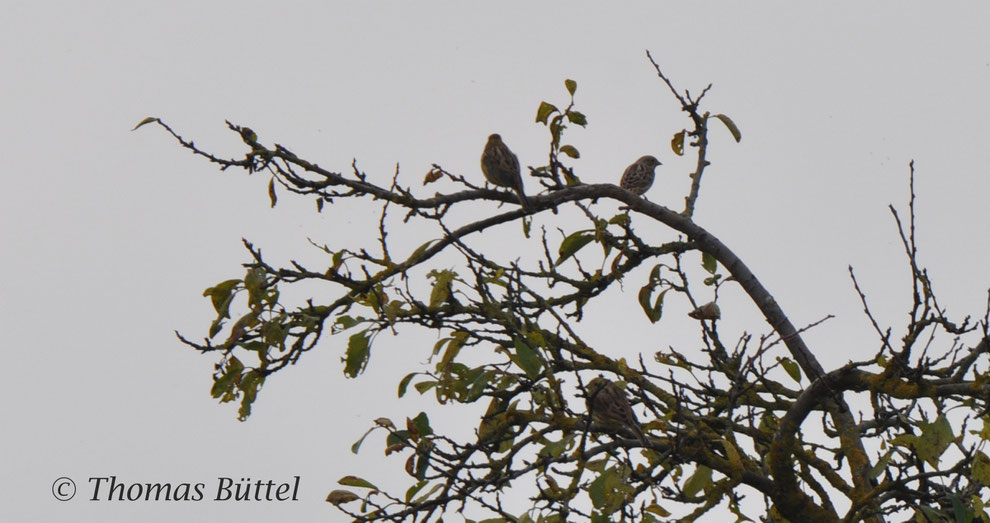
x: 63, y: 489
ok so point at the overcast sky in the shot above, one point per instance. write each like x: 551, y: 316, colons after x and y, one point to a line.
x: 110, y: 236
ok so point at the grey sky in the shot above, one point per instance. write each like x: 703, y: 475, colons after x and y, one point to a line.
x: 110, y: 236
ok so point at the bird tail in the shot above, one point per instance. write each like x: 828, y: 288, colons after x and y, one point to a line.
x: 640, y: 436
x: 523, y: 200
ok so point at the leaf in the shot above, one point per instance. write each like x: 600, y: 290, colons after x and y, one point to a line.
x: 424, y: 386
x: 251, y: 382
x: 145, y: 122
x: 700, y: 480
x: 792, y: 368
x: 358, y: 350
x: 357, y: 444
x: 254, y: 279
x: 731, y: 125
x: 571, y: 86
x: 981, y: 468
x: 220, y: 296
x: 338, y: 497
x: 935, y: 438
x: 658, y: 510
x: 545, y: 111
x: 569, y: 150
x: 453, y: 349
x: 354, y: 481
x: 415, y: 488
x: 422, y: 423
x: 271, y: 191
x: 423, y: 454
x: 619, y: 219
x: 441, y: 286
x: 881, y: 464
x: 577, y: 118
x: 572, y: 244
x: 432, y: 176
x: 226, y: 381
x: 527, y: 359
x: 404, y: 384
x: 709, y: 263
x: 414, y: 257
x: 653, y: 309
x: 677, y: 143
x: 608, y: 490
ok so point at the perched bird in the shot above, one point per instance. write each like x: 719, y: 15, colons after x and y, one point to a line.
x: 708, y: 311
x: 608, y: 405
x: 501, y: 167
x: 638, y: 177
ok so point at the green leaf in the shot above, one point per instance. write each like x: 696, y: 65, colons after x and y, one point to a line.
x: 441, y: 286
x: 569, y: 150
x: 251, y: 382
x: 225, y: 383
x: 357, y: 444
x: 700, y: 480
x: 415, y: 488
x: 571, y: 86
x: 354, y: 481
x: 792, y: 368
x: 424, y: 386
x: 527, y: 359
x: 935, y: 438
x: 653, y: 309
x: 404, y: 384
x: 216, y: 327
x: 149, y: 120
x: 619, y: 219
x: 346, y: 322
x: 572, y: 244
x: 981, y: 468
x: 709, y: 263
x: 545, y: 111
x: 254, y: 279
x: 477, y: 380
x: 577, y: 118
x: 358, y: 350
x: 271, y: 191
x: 220, y: 295
x: 453, y: 349
x: 423, y: 453
x: 731, y: 125
x: 881, y: 464
x: 426, y: 496
x: 608, y: 490
x: 422, y: 423
x: 414, y: 257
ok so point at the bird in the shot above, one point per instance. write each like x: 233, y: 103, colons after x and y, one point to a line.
x: 608, y: 405
x: 501, y: 167
x: 638, y: 177
x: 708, y: 311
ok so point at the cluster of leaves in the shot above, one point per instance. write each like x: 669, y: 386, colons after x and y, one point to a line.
x: 725, y: 423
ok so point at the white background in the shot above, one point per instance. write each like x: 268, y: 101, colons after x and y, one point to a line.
x: 109, y: 236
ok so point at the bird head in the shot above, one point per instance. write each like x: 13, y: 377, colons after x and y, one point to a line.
x: 649, y: 161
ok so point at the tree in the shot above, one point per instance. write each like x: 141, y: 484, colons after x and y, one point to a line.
x: 747, y: 415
